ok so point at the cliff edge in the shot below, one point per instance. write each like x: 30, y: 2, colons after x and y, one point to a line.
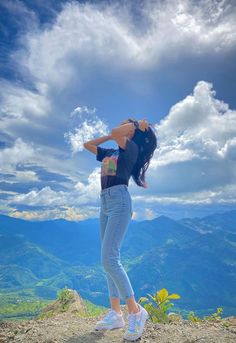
x: 68, y: 322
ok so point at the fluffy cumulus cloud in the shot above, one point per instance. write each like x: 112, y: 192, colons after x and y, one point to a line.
x: 87, y: 38
x: 196, y: 26
x: 196, y: 161
x: 85, y: 35
x: 86, y: 128
x: 79, y: 203
x: 98, y: 34
x: 80, y: 194
x: 203, y: 116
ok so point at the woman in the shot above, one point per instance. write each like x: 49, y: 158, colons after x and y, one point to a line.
x: 136, y: 144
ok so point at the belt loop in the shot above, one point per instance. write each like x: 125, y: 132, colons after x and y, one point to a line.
x: 108, y: 191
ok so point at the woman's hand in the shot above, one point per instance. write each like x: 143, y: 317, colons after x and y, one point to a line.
x: 143, y: 124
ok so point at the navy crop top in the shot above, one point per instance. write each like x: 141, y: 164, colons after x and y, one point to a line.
x: 117, y: 164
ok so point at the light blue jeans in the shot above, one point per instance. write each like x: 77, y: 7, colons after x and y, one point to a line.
x: 115, y: 215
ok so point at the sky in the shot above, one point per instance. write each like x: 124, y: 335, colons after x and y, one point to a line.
x: 70, y: 71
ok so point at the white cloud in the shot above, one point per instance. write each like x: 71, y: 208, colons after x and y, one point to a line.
x: 67, y: 213
x: 43, y: 197
x: 93, y: 185
x: 196, y: 109
x: 20, y: 103
x: 175, y: 155
x: 26, y: 176
x: 82, y: 194
x: 85, y: 38
x: 84, y: 35
x: 97, y: 33
x: 85, y: 128
x: 20, y: 152
x: 179, y: 25
x: 218, y: 195
x: 82, y: 109
x: 197, y: 149
x: 199, y: 124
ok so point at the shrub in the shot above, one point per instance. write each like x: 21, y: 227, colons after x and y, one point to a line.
x: 64, y: 296
x: 159, y: 304
x: 214, y: 316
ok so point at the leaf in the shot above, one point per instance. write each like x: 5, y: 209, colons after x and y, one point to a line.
x: 174, y: 296
x: 169, y: 305
x: 143, y: 299
x: 149, y: 295
x: 163, y: 294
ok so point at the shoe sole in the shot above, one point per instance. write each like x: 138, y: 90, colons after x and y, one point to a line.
x: 109, y: 327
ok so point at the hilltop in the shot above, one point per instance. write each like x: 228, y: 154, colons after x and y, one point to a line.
x: 70, y: 328
x: 74, y: 326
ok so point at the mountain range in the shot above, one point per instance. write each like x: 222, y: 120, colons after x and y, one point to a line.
x: 194, y: 257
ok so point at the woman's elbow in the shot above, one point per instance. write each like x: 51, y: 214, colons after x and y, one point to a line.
x: 87, y: 146
x: 90, y: 147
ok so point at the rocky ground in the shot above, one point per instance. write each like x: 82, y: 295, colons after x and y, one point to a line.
x: 68, y: 327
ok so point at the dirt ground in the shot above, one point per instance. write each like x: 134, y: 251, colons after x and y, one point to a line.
x: 70, y: 328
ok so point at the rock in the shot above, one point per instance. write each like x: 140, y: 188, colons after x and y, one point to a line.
x: 74, y: 304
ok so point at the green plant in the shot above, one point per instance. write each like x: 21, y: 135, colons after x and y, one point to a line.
x: 159, y: 304
x: 215, y: 315
x: 193, y: 318
x: 64, y: 296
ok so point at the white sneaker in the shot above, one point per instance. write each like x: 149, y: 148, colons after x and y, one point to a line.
x: 136, y: 322
x: 112, y: 320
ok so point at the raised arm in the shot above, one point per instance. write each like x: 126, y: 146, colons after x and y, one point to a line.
x: 92, y: 144
x: 127, y: 129
x: 119, y: 134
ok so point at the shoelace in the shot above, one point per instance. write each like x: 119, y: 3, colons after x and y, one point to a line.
x: 109, y: 314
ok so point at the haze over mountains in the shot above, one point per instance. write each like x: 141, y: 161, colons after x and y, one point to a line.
x: 194, y: 257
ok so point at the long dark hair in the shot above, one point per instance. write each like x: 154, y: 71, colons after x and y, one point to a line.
x: 147, y: 143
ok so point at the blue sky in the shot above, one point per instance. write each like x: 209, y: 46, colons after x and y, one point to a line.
x: 70, y: 71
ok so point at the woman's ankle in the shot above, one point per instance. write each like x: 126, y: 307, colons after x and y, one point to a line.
x: 117, y: 311
x: 136, y: 310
